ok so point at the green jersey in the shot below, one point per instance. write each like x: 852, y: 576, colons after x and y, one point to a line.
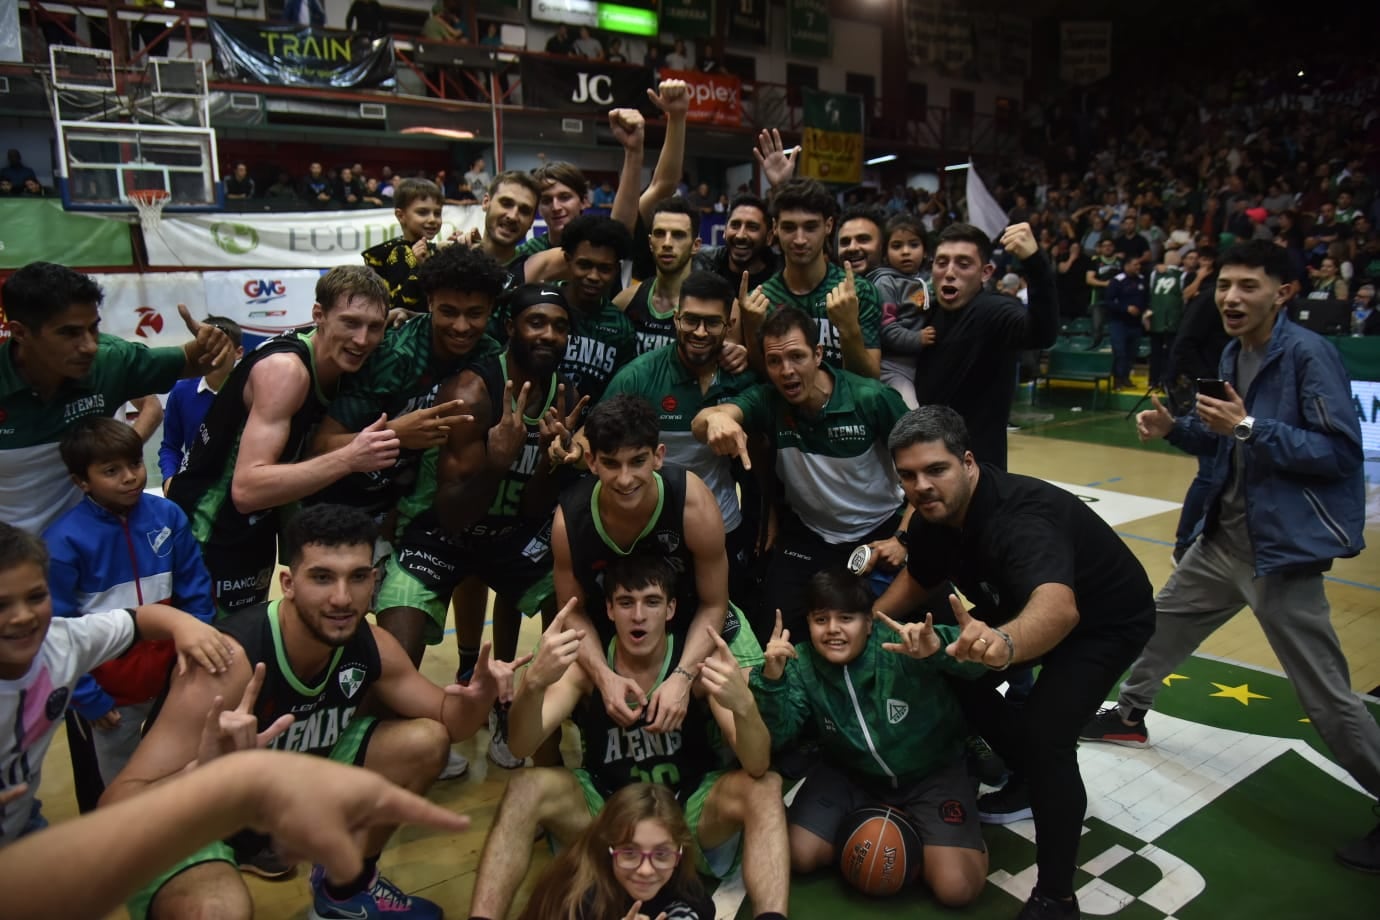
x: 833, y: 464
x: 661, y: 378
x: 881, y: 717
x: 600, y: 343
x: 813, y: 303
x: 1166, y: 298
x: 34, y: 486
x: 535, y: 245
x: 402, y: 375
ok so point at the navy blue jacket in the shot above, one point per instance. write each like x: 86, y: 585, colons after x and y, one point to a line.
x: 1305, y: 483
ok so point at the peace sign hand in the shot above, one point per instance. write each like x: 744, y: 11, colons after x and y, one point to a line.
x: 225, y: 732
x: 977, y: 641
x: 778, y: 649
x: 555, y: 431
x: 635, y: 913
x: 507, y: 437
x: 918, y: 640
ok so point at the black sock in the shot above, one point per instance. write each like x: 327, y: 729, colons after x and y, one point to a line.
x: 1136, y: 716
x: 469, y: 657
x: 770, y: 915
x: 354, y: 886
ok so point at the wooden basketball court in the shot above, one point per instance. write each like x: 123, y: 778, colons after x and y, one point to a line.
x: 1140, y: 487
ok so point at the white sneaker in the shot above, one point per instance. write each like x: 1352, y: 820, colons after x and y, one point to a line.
x: 498, y: 740
x: 456, y: 766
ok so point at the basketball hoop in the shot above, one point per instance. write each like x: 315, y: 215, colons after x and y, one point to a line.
x: 149, y: 202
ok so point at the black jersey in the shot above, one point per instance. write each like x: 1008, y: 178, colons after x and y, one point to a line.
x: 202, y: 487
x: 323, y: 704
x: 506, y: 516
x: 652, y: 328
x: 615, y: 756
x: 591, y: 550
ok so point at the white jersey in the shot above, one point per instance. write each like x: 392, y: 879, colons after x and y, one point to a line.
x: 32, y: 707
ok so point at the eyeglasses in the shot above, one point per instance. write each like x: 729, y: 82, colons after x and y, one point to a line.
x: 711, y: 324
x: 630, y: 859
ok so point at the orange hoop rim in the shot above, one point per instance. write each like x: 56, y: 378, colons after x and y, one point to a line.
x: 149, y: 196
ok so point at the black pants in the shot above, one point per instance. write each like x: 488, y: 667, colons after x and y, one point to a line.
x: 798, y: 554
x: 1159, y: 356
x: 1039, y: 739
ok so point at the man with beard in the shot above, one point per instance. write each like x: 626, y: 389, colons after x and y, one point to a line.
x: 680, y: 379
x: 564, y: 190
x: 460, y: 285
x: 979, y: 335
x: 651, y: 304
x: 747, y: 245
x: 483, y: 504
x: 317, y: 659
x: 829, y: 427
x: 510, y: 206
x: 861, y: 239
x: 601, y: 337
x: 1050, y: 583
x: 246, y: 461
x: 846, y: 308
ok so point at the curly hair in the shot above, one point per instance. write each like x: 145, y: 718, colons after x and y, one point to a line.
x: 458, y: 267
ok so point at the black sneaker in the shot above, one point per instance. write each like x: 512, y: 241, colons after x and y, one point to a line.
x: 1009, y: 804
x: 1040, y: 907
x: 265, y: 863
x: 984, y: 764
x: 1362, y: 854
x: 1108, y: 726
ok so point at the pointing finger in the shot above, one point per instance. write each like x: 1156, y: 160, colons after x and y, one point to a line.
x: 960, y: 611
x: 889, y: 621
x: 776, y: 632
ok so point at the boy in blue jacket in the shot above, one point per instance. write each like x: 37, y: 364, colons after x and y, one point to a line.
x: 120, y: 547
x: 890, y: 731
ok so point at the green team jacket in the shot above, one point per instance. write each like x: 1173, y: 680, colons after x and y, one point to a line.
x: 882, y: 717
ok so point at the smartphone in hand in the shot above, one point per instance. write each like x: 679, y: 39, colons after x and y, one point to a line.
x: 1211, y: 386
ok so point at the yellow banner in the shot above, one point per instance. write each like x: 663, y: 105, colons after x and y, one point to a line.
x: 831, y: 156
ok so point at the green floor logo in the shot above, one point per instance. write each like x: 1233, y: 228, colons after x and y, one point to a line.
x: 236, y: 239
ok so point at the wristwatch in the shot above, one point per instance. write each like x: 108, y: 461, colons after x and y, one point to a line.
x: 1243, y: 428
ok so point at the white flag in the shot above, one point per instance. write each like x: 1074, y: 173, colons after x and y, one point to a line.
x: 983, y: 210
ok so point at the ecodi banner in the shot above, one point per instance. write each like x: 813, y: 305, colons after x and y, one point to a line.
x: 296, y: 239
x: 293, y: 55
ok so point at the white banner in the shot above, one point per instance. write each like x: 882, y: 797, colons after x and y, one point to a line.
x: 143, y: 308
x: 264, y: 303
x: 1085, y: 51
x: 10, y: 49
x: 983, y: 210
x: 285, y: 239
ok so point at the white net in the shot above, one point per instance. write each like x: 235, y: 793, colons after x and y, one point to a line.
x: 150, y: 206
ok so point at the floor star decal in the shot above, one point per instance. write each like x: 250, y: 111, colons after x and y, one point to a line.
x: 1241, y: 694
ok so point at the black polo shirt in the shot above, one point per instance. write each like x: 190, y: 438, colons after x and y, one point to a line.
x: 1021, y: 533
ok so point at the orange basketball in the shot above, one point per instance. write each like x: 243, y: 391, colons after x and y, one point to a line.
x: 879, y: 850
